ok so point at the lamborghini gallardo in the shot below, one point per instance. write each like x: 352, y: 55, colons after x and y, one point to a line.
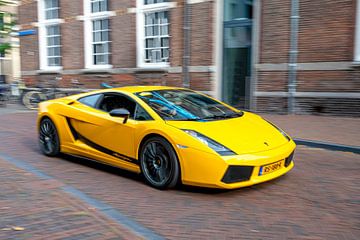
x: 169, y: 135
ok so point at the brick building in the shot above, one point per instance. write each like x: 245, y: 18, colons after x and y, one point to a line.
x: 9, y: 58
x: 282, y: 55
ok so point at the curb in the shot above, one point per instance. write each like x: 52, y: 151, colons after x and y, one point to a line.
x: 327, y: 145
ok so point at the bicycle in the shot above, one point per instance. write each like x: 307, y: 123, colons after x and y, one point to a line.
x: 4, y: 94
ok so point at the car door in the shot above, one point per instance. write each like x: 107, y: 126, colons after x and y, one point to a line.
x: 96, y: 128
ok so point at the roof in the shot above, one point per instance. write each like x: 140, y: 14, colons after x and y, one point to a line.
x: 133, y: 89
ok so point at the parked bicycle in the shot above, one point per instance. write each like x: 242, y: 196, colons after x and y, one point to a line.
x: 31, y: 99
x: 4, y: 94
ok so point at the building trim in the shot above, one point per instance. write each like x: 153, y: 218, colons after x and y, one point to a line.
x: 310, y: 66
x: 218, y: 51
x: 192, y: 69
x: 88, y: 17
x: 42, y: 24
x: 310, y: 94
x: 255, y: 54
x: 140, y: 31
x: 199, y: 1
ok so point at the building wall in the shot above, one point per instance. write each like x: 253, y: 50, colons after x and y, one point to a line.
x: 124, y: 69
x: 11, y: 62
x: 327, y: 79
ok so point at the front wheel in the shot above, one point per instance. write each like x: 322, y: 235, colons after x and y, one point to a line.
x: 159, y: 163
x: 49, y: 138
x: 32, y: 99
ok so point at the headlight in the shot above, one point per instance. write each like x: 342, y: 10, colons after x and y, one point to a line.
x: 217, y: 147
x: 280, y: 130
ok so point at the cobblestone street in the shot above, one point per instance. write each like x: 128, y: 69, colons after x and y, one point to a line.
x: 71, y: 198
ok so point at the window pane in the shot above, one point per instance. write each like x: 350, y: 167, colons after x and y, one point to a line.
x: 90, y: 100
x: 165, y: 42
x: 97, y: 36
x: 155, y: 1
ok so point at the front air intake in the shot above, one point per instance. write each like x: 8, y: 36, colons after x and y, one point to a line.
x: 288, y: 160
x: 237, y: 174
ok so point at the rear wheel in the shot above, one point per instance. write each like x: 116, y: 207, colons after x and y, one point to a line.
x: 48, y: 138
x: 159, y: 163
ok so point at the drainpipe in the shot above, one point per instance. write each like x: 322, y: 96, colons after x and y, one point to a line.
x: 293, y: 53
x: 186, y: 55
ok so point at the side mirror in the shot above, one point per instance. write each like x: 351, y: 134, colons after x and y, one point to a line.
x: 120, y: 112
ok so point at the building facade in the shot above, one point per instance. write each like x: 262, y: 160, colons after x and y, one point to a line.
x: 9, y: 59
x: 294, y: 56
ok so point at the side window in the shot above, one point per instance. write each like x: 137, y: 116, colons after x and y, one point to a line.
x: 114, y: 101
x: 90, y: 100
x: 141, y: 114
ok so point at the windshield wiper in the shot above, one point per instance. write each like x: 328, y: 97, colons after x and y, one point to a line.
x: 223, y: 116
x: 233, y: 115
x: 185, y: 119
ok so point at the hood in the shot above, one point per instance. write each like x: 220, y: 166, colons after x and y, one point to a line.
x: 247, y: 134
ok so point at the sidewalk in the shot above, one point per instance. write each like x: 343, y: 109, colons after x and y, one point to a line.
x: 38, y: 208
x: 336, y: 130
x: 13, y: 108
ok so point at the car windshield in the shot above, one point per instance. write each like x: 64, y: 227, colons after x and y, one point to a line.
x: 185, y: 105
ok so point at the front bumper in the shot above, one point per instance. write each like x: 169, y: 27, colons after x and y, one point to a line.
x: 210, y: 170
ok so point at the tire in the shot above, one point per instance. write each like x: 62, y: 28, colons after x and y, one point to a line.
x: 159, y: 163
x: 32, y: 99
x: 48, y: 138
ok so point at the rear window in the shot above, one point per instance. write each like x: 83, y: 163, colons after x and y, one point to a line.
x: 90, y: 100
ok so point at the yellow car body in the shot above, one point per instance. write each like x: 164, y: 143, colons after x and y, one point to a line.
x: 263, y: 152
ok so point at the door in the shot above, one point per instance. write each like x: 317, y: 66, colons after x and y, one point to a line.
x: 237, y: 35
x: 96, y: 128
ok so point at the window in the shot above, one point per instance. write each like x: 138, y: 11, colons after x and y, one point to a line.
x: 97, y: 34
x: 155, y: 1
x: 116, y: 101
x: 101, y: 41
x: 90, y: 100
x: 153, y: 36
x: 53, y: 45
x: 2, y: 26
x: 99, y: 6
x: 51, y: 9
x: 156, y: 37
x: 49, y: 34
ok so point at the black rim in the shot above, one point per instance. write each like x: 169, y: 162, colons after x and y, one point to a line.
x: 48, y: 137
x: 156, y: 163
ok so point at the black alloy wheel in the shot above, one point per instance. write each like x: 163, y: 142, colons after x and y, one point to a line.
x: 159, y: 163
x: 48, y: 138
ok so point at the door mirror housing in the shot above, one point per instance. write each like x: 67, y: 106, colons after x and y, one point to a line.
x: 120, y: 112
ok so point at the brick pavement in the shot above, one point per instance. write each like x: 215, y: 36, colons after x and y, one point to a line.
x: 318, y: 199
x: 340, y: 130
x: 35, y: 208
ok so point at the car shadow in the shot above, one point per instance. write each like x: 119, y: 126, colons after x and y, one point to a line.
x: 101, y: 167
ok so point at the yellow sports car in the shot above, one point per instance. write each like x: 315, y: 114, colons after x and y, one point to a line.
x: 170, y: 135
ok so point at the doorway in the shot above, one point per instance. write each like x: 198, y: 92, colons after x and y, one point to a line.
x: 237, y: 38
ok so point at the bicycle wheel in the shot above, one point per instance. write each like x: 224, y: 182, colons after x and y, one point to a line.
x: 32, y: 99
x: 3, y: 100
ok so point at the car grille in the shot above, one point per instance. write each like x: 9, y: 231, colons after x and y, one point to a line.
x: 237, y: 174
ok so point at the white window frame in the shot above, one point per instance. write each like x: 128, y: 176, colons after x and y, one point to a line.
x: 42, y: 24
x: 142, y: 9
x: 88, y: 37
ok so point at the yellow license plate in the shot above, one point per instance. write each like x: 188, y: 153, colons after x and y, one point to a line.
x: 271, y: 168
